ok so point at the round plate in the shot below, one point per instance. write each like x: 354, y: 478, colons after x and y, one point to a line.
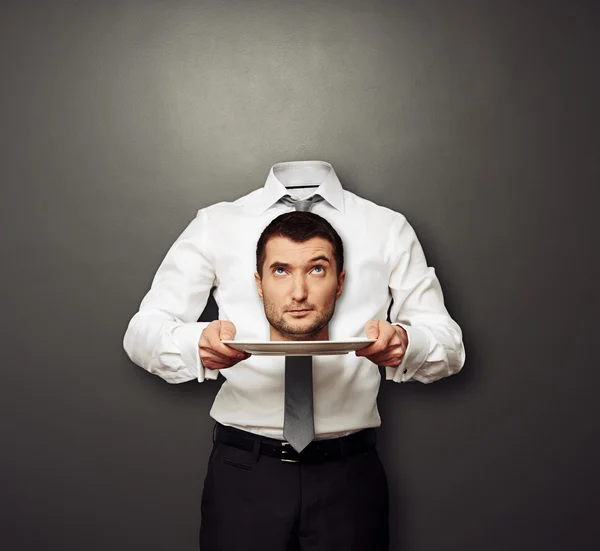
x: 299, y: 348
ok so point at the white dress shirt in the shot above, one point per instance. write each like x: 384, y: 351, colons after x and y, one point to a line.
x: 383, y: 261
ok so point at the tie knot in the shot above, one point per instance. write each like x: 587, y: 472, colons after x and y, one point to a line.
x: 302, y: 204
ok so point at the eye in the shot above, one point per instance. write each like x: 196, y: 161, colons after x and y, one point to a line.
x: 318, y: 269
x: 279, y: 271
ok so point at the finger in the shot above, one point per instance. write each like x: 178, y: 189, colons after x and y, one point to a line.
x: 372, y: 329
x: 227, y: 330
x: 215, y: 365
x: 230, y: 352
x: 389, y: 361
x: 214, y: 343
x: 371, y: 332
x: 224, y: 351
x: 215, y: 361
x: 207, y: 353
x: 373, y: 348
x: 382, y: 344
x: 392, y: 357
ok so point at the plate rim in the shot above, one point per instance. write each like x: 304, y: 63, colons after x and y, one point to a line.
x: 292, y: 343
x: 299, y: 348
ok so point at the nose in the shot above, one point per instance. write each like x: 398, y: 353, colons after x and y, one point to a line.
x: 299, y: 289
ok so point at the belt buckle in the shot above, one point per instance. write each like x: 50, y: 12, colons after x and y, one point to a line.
x: 284, y: 451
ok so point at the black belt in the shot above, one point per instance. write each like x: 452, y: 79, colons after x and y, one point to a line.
x: 317, y: 451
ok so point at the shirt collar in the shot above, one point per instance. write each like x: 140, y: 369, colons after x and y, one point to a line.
x: 329, y: 188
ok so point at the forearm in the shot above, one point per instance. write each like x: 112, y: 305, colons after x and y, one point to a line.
x: 166, y: 347
x: 163, y: 336
x: 434, y: 351
x: 435, y: 348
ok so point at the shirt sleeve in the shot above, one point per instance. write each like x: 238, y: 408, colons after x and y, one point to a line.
x: 162, y: 337
x: 435, y: 347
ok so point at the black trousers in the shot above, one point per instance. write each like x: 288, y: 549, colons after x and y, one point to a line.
x: 257, y: 502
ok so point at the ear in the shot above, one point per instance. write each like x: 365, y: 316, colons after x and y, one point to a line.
x: 340, y: 284
x: 258, y: 285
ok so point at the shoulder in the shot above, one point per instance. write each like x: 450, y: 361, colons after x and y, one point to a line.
x: 228, y: 210
x: 356, y: 204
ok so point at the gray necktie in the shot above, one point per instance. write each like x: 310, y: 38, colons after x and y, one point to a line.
x: 301, y: 204
x: 298, y: 421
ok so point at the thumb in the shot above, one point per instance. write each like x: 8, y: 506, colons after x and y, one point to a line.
x: 227, y: 331
x: 372, y: 329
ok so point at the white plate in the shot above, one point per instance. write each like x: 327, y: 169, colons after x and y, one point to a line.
x: 299, y: 348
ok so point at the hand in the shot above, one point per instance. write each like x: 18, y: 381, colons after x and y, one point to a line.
x: 213, y: 353
x: 390, y: 346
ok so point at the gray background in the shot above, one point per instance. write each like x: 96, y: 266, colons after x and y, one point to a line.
x: 477, y: 120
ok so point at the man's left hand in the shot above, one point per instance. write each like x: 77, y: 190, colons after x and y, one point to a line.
x: 390, y: 346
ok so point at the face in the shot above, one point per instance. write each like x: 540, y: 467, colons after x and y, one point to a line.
x: 299, y: 288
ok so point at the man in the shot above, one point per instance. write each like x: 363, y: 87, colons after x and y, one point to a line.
x: 385, y: 265
x: 333, y: 494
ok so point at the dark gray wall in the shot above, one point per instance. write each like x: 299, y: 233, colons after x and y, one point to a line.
x: 477, y: 120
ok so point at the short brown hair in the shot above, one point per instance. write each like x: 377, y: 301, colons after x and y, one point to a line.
x: 300, y: 226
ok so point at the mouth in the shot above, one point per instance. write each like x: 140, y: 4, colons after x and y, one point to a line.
x: 299, y: 312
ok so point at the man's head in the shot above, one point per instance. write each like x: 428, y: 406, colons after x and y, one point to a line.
x: 299, y: 275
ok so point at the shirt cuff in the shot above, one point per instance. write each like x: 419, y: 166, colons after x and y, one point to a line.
x: 187, y: 337
x: 414, y: 357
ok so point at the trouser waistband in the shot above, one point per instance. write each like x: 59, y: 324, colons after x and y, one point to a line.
x: 317, y: 451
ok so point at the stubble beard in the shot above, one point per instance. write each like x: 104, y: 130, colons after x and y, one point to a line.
x: 298, y: 331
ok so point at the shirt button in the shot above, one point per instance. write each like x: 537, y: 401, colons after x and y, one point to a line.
x: 405, y: 370
x: 295, y: 198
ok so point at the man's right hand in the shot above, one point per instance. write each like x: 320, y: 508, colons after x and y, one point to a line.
x: 213, y: 353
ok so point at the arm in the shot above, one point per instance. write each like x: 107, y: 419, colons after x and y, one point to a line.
x: 435, y: 347
x: 163, y: 336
